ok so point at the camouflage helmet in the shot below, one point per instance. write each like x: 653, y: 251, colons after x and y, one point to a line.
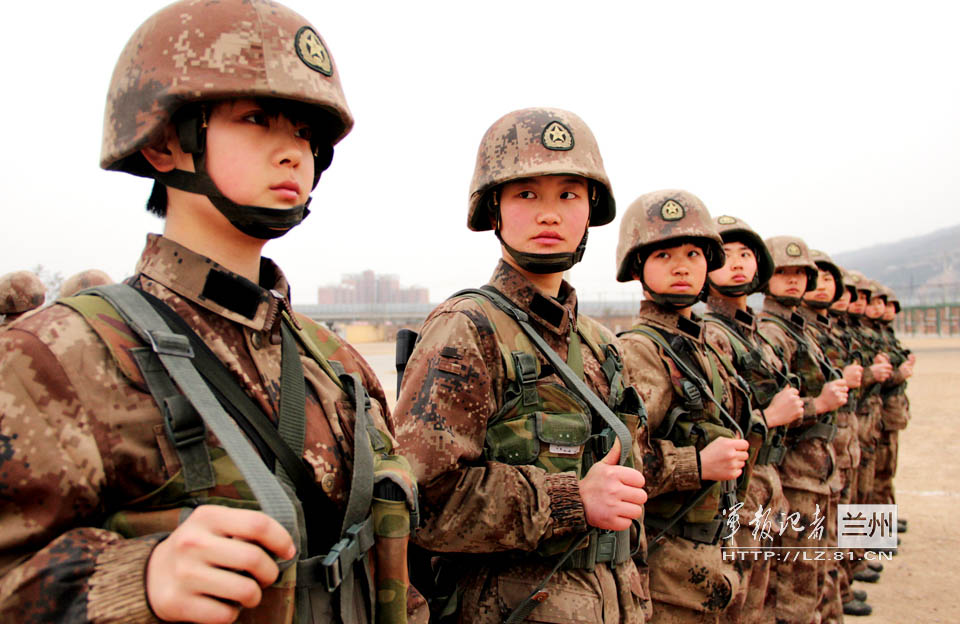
x: 21, y: 291
x: 206, y: 50
x: 660, y: 217
x: 791, y: 251
x: 735, y: 229
x: 892, y: 298
x: 859, y: 281
x: 534, y: 142
x: 83, y: 280
x: 825, y: 263
x: 848, y: 283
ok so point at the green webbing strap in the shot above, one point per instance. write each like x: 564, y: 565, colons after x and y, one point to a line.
x: 741, y: 346
x: 292, y: 423
x: 654, y: 335
x: 569, y: 377
x: 826, y: 367
x: 361, y: 495
x: 574, y: 356
x: 176, y: 354
x: 184, y: 427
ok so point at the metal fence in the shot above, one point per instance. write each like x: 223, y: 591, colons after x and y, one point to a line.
x: 939, y: 320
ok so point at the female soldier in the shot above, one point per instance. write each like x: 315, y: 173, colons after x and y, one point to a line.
x: 668, y: 243
x: 731, y: 329
x: 503, y: 404
x: 810, y: 461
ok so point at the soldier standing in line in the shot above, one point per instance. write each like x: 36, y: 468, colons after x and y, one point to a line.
x: 731, y: 330
x: 876, y: 370
x: 20, y: 292
x: 83, y: 280
x: 818, y: 323
x: 696, y: 411
x: 514, y: 410
x: 896, y: 405
x: 810, y: 462
x: 848, y: 460
x: 129, y: 493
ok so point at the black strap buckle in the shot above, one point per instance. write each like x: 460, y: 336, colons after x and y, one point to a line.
x: 344, y: 554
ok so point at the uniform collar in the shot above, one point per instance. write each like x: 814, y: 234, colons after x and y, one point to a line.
x: 813, y: 316
x: 652, y: 313
x: 721, y: 306
x: 774, y: 308
x: 214, y: 287
x: 547, y: 312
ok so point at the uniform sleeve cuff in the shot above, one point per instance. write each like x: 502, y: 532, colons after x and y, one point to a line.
x: 686, y: 474
x: 566, y: 506
x: 118, y: 590
x: 809, y: 412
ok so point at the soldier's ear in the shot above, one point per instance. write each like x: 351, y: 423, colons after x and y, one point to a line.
x: 160, y: 154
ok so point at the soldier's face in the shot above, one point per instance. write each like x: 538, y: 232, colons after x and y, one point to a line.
x: 841, y: 304
x: 257, y: 159
x: 858, y: 306
x: 739, y: 268
x: 788, y: 282
x: 890, y: 312
x: 826, y: 288
x: 544, y: 214
x: 876, y: 308
x: 680, y: 270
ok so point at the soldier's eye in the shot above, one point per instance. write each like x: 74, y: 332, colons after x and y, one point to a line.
x: 304, y: 132
x: 568, y: 195
x: 257, y: 117
x: 527, y: 195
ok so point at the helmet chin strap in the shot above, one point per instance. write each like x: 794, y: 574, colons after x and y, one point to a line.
x: 737, y: 290
x: 790, y: 302
x: 818, y: 305
x: 256, y: 221
x: 541, y: 264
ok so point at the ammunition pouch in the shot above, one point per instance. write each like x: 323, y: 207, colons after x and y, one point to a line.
x: 821, y: 430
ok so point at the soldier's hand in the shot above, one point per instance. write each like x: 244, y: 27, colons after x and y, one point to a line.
x: 215, y: 563
x: 881, y: 369
x: 612, y: 495
x: 853, y: 375
x: 833, y: 395
x: 906, y: 369
x: 723, y: 459
x: 786, y: 407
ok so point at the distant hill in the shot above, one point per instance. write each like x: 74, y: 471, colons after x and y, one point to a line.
x: 922, y: 270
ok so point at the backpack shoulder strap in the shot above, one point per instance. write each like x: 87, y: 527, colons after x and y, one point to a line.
x: 113, y: 331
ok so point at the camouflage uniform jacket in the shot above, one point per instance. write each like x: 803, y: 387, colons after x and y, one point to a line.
x: 453, y: 384
x: 79, y: 441
x: 809, y: 464
x: 765, y: 491
x: 896, y: 405
x: 682, y: 573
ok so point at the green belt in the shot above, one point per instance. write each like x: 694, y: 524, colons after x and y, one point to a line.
x: 699, y: 532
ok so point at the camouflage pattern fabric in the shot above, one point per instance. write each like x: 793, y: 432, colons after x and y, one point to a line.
x: 533, y: 142
x: 765, y: 493
x: 82, y: 440
x: 689, y: 582
x: 807, y: 472
x: 83, y: 280
x: 202, y: 50
x: 20, y: 292
x: 661, y: 216
x: 488, y: 516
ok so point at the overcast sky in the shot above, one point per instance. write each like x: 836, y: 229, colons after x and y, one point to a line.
x: 835, y: 121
